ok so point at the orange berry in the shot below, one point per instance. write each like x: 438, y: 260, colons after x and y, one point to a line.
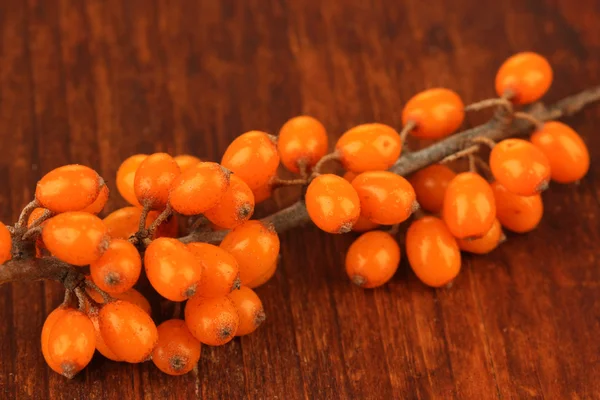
x: 372, y: 259
x: 130, y: 296
x: 486, y: 243
x: 200, y: 188
x: 172, y: 269
x: 100, y: 344
x: 220, y: 270
x: 264, y: 278
x: 262, y: 193
x: 212, y: 321
x: 5, y: 244
x: 235, y: 207
x: 332, y: 203
x: 72, y: 342
x: 77, y: 238
x: 126, y: 177
x: 99, y: 203
x: 362, y: 224
x: 430, y: 186
x: 127, y: 330
x: 255, y: 247
x: 385, y: 198
x: 302, y: 140
x: 253, y: 157
x: 432, y: 251
x: 369, y: 147
x: 186, y: 161
x: 526, y: 75
x: 566, y: 151
x: 124, y: 222
x: 520, y: 167
x: 177, y: 350
x: 517, y: 213
x: 68, y: 188
x: 469, y: 208
x: 249, y: 309
x: 119, y: 267
x: 49, y: 323
x: 437, y: 113
x: 153, y: 180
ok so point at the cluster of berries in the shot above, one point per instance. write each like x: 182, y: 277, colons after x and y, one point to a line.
x: 113, y: 317
x: 472, y: 211
x: 217, y: 281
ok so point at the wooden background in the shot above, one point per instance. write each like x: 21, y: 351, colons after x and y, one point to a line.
x: 95, y: 81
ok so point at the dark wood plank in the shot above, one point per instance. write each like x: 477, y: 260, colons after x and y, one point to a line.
x: 94, y: 82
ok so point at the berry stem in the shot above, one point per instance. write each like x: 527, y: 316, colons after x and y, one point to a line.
x: 45, y: 215
x: 410, y: 125
x: 163, y: 216
x: 105, y: 296
x: 319, y: 166
x: 529, y: 118
x: 32, y: 233
x: 278, y: 182
x: 143, y: 218
x: 489, y: 103
x: 460, y: 154
x: 26, y: 213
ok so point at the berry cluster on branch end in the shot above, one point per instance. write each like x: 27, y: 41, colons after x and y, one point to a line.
x: 99, y: 261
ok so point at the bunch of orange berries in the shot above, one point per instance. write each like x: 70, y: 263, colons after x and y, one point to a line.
x: 217, y: 281
x: 472, y: 211
x: 113, y: 317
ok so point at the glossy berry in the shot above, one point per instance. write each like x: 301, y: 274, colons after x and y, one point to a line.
x: 517, y: 213
x: 213, y: 321
x: 49, y: 323
x: 101, y: 346
x: 186, y: 161
x: 77, y: 238
x: 372, y: 259
x: 430, y: 186
x: 520, y: 167
x: 436, y: 112
x: 362, y: 224
x: 302, y: 140
x: 385, y: 198
x: 153, y: 180
x: 68, y: 188
x: 469, y: 208
x: 172, y: 269
x: 235, y: 207
x: 249, y: 309
x: 264, y: 278
x: 369, y: 147
x: 253, y: 157
x: 220, y: 270
x: 432, y: 251
x: 198, y: 189
x: 566, y: 151
x: 130, y: 296
x: 527, y: 76
x: 126, y: 177
x: 72, y: 342
x: 255, y: 247
x: 119, y: 267
x: 127, y: 330
x: 177, y: 350
x: 124, y: 222
x: 99, y: 203
x: 486, y: 243
x: 332, y: 203
x: 5, y: 244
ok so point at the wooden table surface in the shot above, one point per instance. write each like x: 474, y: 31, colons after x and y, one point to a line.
x: 95, y: 81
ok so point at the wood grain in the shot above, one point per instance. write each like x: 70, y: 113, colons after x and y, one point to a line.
x: 96, y: 81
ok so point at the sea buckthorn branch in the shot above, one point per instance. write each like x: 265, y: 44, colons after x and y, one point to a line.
x: 494, y: 130
x: 45, y: 268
